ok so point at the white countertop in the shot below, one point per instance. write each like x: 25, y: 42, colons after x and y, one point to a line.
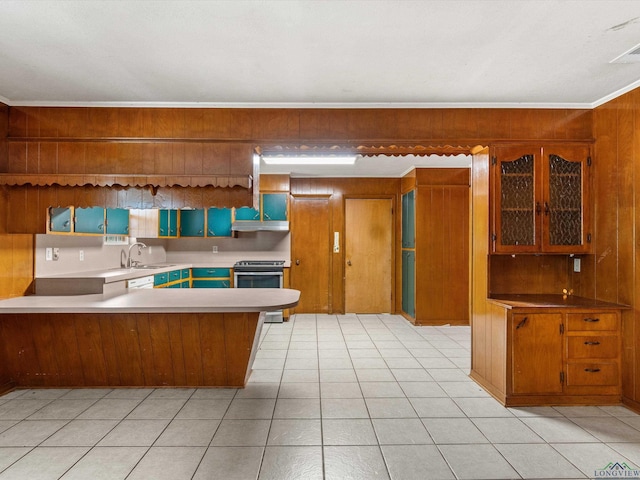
x: 159, y: 300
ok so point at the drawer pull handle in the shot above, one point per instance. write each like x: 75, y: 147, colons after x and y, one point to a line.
x: 592, y: 343
x: 592, y: 370
x: 591, y: 320
x: 522, y: 323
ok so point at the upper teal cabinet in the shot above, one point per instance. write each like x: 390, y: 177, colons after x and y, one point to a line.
x: 247, y: 213
x: 409, y: 219
x: 90, y: 220
x: 60, y: 219
x: 168, y: 223
x: 192, y: 223
x: 117, y: 221
x: 274, y: 206
x: 219, y: 222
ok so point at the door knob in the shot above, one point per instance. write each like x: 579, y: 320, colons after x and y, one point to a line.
x: 349, y: 262
x: 297, y: 261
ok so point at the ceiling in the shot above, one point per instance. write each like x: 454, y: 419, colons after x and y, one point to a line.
x: 317, y: 53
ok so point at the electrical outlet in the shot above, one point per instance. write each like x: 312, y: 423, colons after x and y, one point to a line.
x: 48, y: 254
x: 150, y: 250
x: 576, y: 265
x: 81, y: 255
x: 215, y: 249
x: 56, y: 253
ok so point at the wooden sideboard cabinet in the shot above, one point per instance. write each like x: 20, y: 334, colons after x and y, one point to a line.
x: 540, y: 198
x: 546, y: 350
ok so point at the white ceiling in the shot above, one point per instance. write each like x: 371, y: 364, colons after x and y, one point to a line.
x: 311, y: 53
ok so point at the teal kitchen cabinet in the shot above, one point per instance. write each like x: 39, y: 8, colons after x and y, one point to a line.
x: 409, y: 282
x: 89, y: 220
x: 274, y: 206
x: 167, y: 223
x: 117, y: 221
x: 409, y: 219
x: 219, y: 222
x: 247, y: 213
x: 60, y: 219
x: 192, y: 223
x: 210, y: 278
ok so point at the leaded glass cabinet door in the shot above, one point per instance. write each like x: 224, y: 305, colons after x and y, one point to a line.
x: 516, y: 205
x: 566, y: 199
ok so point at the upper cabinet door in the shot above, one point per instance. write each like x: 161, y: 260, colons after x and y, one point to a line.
x: 516, y: 199
x: 117, y: 221
x: 192, y: 223
x: 566, y: 218
x: 540, y: 199
x: 219, y: 222
x: 409, y: 219
x: 247, y: 213
x: 60, y: 219
x: 274, y: 206
x: 90, y: 220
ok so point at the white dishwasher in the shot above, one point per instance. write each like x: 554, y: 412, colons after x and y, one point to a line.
x: 142, y: 282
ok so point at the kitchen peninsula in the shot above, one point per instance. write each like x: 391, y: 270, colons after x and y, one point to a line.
x: 146, y: 337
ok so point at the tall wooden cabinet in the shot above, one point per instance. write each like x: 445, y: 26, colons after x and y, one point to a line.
x: 435, y: 246
x: 540, y: 198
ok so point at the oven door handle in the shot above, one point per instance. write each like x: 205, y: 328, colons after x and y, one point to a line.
x: 258, y: 273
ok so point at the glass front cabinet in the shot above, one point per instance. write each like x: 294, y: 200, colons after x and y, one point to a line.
x: 541, y: 198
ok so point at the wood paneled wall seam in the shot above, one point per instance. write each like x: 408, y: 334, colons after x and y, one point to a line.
x: 614, y: 270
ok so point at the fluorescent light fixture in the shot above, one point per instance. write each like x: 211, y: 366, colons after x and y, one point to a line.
x: 309, y: 160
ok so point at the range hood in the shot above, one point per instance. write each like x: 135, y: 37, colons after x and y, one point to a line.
x: 258, y: 226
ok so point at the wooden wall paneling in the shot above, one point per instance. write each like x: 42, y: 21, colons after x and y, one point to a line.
x: 127, y: 349
x: 178, y: 157
x: 193, y: 156
x: 50, y: 370
x: 91, y: 349
x: 17, y: 204
x: 275, y: 183
x: 145, y: 346
x: 66, y: 345
x: 176, y: 347
x: 157, y: 328
x: 212, y: 348
x: 71, y: 157
x: 192, y: 350
x: 19, y: 352
x: 631, y: 361
x: 17, y: 157
x: 163, y: 159
x: 239, y: 332
x: 529, y: 274
x: 48, y: 160
x: 271, y: 124
x: 109, y: 349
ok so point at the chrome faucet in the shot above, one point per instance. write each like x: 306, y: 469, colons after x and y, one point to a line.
x: 133, y: 263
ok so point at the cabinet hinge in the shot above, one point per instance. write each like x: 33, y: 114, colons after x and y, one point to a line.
x: 588, y: 238
x: 562, y: 378
x: 494, y: 237
x: 494, y: 160
x: 588, y: 161
x: 561, y: 328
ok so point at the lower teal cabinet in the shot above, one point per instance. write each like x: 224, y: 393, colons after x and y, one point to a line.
x: 201, y: 283
x: 210, y: 278
x: 160, y: 279
x: 409, y: 282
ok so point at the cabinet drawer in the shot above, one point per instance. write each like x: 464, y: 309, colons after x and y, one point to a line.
x: 174, y: 275
x: 592, y: 374
x: 184, y: 273
x: 595, y: 346
x: 592, y: 321
x: 184, y: 284
x: 160, y: 279
x: 210, y: 284
x: 210, y: 272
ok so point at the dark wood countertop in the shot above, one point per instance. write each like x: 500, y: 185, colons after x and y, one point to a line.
x: 551, y: 301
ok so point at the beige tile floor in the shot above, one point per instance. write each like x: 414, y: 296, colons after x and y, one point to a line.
x: 333, y: 397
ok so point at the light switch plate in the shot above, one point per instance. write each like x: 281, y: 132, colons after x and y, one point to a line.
x: 576, y: 265
x: 48, y: 254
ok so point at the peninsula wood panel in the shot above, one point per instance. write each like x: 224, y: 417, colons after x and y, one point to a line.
x: 614, y: 270
x: 71, y: 350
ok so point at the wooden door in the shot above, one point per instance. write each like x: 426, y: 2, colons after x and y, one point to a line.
x: 368, y: 255
x: 536, y: 353
x: 311, y: 253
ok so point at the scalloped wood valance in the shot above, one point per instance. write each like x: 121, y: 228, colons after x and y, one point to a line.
x: 152, y: 181
x: 395, y: 149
